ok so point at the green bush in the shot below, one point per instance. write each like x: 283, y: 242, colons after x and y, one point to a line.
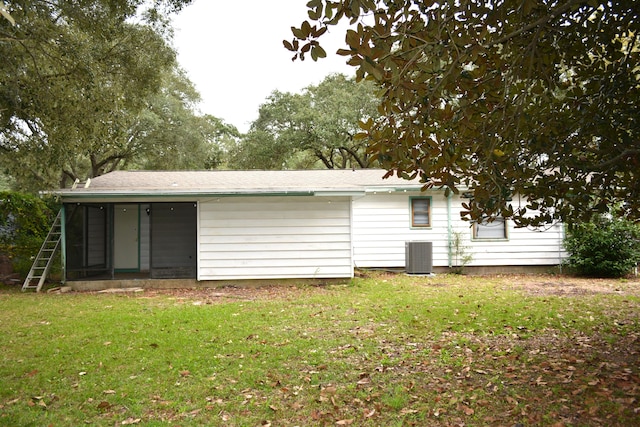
x: 24, y: 223
x: 605, y: 247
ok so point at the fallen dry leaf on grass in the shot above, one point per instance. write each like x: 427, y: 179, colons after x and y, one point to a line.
x: 104, y: 405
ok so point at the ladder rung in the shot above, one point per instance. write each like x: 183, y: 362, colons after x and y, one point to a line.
x: 42, y: 262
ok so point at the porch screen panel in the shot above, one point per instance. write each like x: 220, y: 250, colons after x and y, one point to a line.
x: 173, y: 240
x: 96, y: 237
x: 86, y: 240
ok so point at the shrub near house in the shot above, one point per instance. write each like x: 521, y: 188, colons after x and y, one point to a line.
x: 605, y: 247
x: 24, y: 223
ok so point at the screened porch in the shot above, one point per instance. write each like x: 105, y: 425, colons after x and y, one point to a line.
x: 130, y: 240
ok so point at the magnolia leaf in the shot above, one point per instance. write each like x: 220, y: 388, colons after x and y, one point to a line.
x: 467, y: 410
x: 328, y: 13
x: 315, y: 13
x: 319, y: 32
x: 298, y: 33
x: 305, y: 29
x: 318, y: 52
x: 366, y: 125
x: 5, y: 14
x: 352, y: 39
x: 288, y: 45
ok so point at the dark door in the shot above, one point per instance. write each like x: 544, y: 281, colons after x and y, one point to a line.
x: 173, y: 240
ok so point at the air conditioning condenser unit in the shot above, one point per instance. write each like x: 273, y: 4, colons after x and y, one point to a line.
x: 419, y: 257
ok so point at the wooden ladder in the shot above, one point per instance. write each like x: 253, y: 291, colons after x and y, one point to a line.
x: 44, y: 259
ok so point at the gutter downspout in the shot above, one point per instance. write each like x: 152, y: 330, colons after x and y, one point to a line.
x: 562, y: 234
x: 449, y: 230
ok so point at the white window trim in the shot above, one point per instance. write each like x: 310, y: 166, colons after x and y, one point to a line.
x: 412, y: 215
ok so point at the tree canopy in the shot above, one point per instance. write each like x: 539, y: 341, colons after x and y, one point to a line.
x: 92, y: 86
x: 312, y: 129
x: 531, y: 106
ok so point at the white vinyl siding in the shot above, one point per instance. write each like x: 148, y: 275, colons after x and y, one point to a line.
x: 524, y: 247
x: 274, y: 237
x: 521, y: 246
x: 495, y: 229
x: 382, y: 225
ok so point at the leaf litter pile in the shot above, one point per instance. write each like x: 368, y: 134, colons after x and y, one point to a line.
x: 383, y: 349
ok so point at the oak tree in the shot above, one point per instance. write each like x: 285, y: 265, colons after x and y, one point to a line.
x: 312, y: 129
x: 76, y: 76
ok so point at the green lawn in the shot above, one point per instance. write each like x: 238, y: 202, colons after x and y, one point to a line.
x: 382, y: 350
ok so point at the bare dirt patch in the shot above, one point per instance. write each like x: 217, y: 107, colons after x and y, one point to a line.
x: 532, y: 284
x: 568, y: 286
x: 227, y: 294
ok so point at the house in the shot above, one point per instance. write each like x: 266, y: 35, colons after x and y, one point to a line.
x: 240, y: 225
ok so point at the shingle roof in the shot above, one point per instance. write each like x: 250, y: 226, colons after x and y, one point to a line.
x: 239, y: 182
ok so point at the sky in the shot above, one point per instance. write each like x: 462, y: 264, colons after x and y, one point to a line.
x: 233, y: 53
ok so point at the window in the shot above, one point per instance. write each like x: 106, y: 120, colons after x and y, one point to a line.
x: 497, y: 229
x: 421, y: 212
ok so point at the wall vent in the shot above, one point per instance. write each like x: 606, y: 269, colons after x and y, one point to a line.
x: 419, y: 257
